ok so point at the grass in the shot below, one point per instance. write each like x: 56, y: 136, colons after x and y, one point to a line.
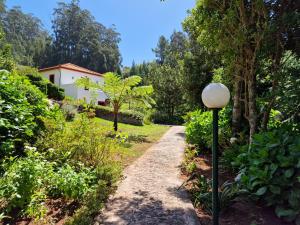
x: 140, y: 138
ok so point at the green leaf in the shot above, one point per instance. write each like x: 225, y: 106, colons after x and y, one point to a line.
x: 288, y: 173
x: 261, y: 191
x: 275, y: 189
x: 282, y: 212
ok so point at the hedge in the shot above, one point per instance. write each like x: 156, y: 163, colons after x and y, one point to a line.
x: 128, y: 116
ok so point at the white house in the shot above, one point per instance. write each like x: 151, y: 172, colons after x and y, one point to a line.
x: 65, y: 75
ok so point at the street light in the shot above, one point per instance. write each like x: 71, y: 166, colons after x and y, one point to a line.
x: 215, y: 96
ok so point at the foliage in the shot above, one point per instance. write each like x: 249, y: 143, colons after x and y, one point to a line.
x: 202, y: 194
x: 199, y: 128
x: 28, y: 181
x: 244, y: 34
x: 81, y: 40
x: 23, y: 179
x: 71, y: 184
x: 21, y: 107
x: 120, y: 90
x: 81, y: 140
x: 270, y: 171
x: 125, y: 116
x: 25, y: 34
x: 6, y: 59
x: 51, y: 90
x: 168, y: 95
x: 288, y: 96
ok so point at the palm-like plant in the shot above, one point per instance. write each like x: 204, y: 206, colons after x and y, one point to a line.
x: 120, y: 91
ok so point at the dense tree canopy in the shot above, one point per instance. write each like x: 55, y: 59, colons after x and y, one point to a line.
x: 246, y: 33
x: 26, y: 35
x: 79, y: 39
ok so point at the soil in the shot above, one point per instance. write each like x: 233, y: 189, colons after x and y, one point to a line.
x: 242, y: 211
x: 58, y: 211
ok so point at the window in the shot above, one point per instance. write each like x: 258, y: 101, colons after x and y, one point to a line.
x: 51, y: 78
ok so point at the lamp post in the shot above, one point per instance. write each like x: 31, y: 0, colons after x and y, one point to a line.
x: 215, y: 96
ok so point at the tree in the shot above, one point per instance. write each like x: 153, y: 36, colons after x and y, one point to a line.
x: 133, y: 69
x: 243, y: 33
x: 79, y: 39
x: 6, y: 59
x: 119, y: 91
x: 26, y: 35
x: 167, y: 85
x: 161, y: 50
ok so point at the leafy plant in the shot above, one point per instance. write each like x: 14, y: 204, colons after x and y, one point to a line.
x: 270, y: 170
x: 23, y: 179
x: 202, y: 194
x: 120, y: 90
x: 44, y: 85
x: 199, y: 128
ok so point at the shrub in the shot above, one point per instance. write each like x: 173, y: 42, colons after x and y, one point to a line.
x: 81, y: 140
x: 124, y: 116
x: 71, y: 184
x: 22, y: 180
x: 28, y: 181
x: 199, y: 128
x: 21, y: 107
x: 270, y: 170
x: 164, y: 118
x: 202, y: 194
x: 49, y: 89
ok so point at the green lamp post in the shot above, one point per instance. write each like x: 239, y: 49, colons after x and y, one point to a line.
x: 215, y: 96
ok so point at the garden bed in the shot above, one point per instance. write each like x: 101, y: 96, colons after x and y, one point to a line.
x: 242, y: 211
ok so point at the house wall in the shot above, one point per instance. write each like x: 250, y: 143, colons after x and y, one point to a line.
x: 66, y: 79
x: 56, y: 73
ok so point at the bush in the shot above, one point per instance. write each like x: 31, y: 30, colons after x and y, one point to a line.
x: 24, y: 184
x: 164, y: 118
x: 71, y: 184
x: 28, y: 181
x: 49, y: 89
x: 199, y: 128
x: 124, y: 116
x: 202, y: 194
x: 21, y: 107
x: 270, y: 170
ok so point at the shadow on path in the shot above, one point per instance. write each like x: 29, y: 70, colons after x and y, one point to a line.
x: 146, y: 210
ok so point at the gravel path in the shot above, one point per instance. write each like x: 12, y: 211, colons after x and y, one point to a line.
x: 148, y: 195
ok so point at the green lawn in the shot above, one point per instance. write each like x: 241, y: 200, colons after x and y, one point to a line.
x: 140, y: 137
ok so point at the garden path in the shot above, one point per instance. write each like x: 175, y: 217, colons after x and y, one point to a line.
x: 149, y: 193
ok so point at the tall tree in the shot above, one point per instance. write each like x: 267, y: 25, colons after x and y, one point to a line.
x: 167, y: 85
x: 161, y: 50
x: 242, y: 32
x: 26, y: 35
x: 79, y: 39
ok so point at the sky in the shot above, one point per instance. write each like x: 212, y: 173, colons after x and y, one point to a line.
x: 140, y: 22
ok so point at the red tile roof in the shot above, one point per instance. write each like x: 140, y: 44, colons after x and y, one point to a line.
x: 73, y: 67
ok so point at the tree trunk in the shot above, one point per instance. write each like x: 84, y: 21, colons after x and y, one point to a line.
x: 116, y: 110
x: 236, y: 111
x: 252, y: 104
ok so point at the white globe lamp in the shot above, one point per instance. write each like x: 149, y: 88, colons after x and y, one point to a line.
x: 215, y: 96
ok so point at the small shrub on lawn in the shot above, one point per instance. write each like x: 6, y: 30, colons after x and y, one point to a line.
x: 199, y: 128
x: 270, y: 170
x: 124, y: 116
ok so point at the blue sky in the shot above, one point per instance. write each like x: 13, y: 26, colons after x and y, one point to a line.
x: 140, y: 22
